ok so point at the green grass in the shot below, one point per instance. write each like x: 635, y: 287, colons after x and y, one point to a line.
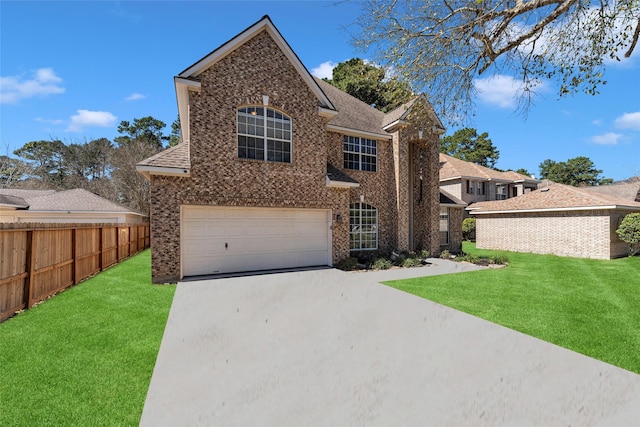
x: 589, y: 306
x: 85, y: 357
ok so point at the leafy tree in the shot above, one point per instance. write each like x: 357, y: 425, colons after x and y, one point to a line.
x: 369, y: 84
x: 45, y: 159
x: 441, y: 47
x: 468, y: 228
x: 176, y: 133
x: 467, y: 145
x: 629, y: 231
x: 523, y: 171
x: 146, y: 129
x: 579, y: 171
x: 12, y: 171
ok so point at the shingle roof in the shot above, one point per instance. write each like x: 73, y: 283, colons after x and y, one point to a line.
x: 554, y: 197
x: 173, y: 157
x: 352, y: 113
x: 78, y: 200
x: 13, y: 201
x: 628, y: 190
x: 447, y: 198
x: 451, y: 167
x: 336, y: 175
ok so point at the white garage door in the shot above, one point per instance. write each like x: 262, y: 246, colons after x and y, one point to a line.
x: 229, y: 239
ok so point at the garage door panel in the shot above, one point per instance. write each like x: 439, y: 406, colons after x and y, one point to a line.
x: 255, y: 238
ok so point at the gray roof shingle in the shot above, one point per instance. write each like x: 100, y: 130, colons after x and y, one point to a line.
x: 78, y: 200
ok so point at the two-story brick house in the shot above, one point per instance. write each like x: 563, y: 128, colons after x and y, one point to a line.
x: 278, y: 169
x: 472, y: 183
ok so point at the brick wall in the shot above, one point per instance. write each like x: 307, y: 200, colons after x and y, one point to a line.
x: 583, y: 234
x: 220, y: 178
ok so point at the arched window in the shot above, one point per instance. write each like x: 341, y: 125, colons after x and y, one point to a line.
x: 363, y: 221
x: 264, y: 134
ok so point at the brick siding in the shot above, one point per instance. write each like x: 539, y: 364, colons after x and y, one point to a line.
x: 583, y: 234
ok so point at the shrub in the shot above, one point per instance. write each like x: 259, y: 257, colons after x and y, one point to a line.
x: 424, y: 254
x: 474, y: 259
x: 381, y: 264
x: 348, y: 264
x: 469, y: 229
x: 498, y: 259
x: 411, y: 262
x: 629, y: 231
x: 445, y: 254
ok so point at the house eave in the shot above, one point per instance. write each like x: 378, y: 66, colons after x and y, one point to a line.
x: 356, y: 132
x: 341, y: 184
x: 147, y: 171
x: 327, y: 112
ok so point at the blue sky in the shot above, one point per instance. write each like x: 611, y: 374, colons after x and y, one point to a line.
x: 74, y: 70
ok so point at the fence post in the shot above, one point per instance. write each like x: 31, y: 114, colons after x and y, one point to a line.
x: 28, y: 282
x: 117, y: 243
x: 100, y: 250
x: 74, y: 252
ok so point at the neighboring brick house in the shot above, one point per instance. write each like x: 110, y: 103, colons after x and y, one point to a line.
x: 69, y: 206
x: 278, y: 169
x: 472, y: 183
x: 555, y: 219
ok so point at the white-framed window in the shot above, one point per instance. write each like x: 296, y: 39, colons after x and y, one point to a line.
x: 444, y: 226
x: 264, y: 134
x: 360, y: 153
x: 363, y: 222
x: 501, y: 191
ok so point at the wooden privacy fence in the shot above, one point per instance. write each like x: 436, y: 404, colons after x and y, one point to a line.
x: 39, y: 260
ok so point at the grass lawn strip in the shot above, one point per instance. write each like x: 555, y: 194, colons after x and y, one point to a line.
x: 589, y: 306
x: 85, y: 357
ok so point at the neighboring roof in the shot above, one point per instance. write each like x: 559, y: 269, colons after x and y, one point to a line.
x: 12, y: 202
x: 453, y: 168
x: 628, y: 189
x: 449, y: 199
x: 25, y: 194
x: 76, y: 200
x: 554, y: 197
x: 337, y: 178
x: 172, y: 161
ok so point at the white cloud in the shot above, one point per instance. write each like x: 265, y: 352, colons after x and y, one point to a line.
x: 324, y: 70
x: 628, y: 121
x: 49, y: 121
x: 610, y: 138
x: 44, y: 82
x: 597, y: 122
x: 135, y: 96
x: 498, y: 90
x: 86, y: 118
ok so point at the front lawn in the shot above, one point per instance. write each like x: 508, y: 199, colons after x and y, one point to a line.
x: 85, y: 357
x: 589, y: 306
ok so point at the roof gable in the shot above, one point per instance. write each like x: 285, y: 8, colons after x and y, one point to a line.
x: 264, y: 24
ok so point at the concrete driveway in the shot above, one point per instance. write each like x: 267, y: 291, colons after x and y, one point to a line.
x: 329, y: 348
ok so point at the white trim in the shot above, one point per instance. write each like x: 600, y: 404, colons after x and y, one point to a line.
x: 581, y: 208
x: 72, y: 211
x: 327, y: 113
x: 360, y: 133
x: 183, y: 86
x: 341, y: 184
x: 157, y: 170
x: 394, y: 124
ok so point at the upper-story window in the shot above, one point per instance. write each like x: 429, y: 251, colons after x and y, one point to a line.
x: 264, y: 134
x: 360, y: 153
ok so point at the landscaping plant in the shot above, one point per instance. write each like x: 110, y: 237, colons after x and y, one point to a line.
x: 629, y: 231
